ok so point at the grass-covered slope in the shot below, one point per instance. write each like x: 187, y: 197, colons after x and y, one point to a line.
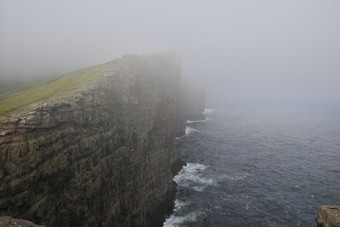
x: 60, y: 87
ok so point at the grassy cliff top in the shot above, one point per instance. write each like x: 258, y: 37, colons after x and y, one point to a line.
x: 60, y: 87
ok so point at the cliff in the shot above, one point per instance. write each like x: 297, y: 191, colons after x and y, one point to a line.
x: 329, y: 216
x: 101, y: 156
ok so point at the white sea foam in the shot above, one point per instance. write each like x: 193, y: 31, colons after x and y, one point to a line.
x: 179, y: 204
x: 173, y: 220
x: 207, y: 111
x: 189, y: 121
x: 191, y: 176
x: 197, y: 177
x: 194, y: 167
x: 194, y: 176
x: 189, y: 130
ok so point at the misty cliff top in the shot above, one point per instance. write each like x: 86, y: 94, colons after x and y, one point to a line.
x: 68, y: 84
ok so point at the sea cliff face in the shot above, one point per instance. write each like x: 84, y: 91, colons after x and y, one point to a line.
x: 103, y: 156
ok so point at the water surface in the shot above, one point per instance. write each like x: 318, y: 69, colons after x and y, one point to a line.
x: 258, y: 166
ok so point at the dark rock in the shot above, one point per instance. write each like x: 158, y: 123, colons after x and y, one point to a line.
x: 329, y: 216
x: 11, y: 222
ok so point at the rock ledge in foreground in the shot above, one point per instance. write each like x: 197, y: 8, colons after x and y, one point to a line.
x: 329, y: 216
x: 11, y: 222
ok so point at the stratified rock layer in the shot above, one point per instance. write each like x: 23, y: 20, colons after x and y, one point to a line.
x: 329, y: 216
x: 104, y: 156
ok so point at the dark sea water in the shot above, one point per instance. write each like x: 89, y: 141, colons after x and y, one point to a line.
x: 258, y: 166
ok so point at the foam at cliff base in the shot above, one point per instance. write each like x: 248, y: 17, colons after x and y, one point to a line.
x: 178, y: 220
x: 196, y: 177
x: 189, y: 130
x: 189, y: 122
x: 191, y: 176
x: 207, y: 111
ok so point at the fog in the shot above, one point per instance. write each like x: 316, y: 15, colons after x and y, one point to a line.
x: 280, y: 50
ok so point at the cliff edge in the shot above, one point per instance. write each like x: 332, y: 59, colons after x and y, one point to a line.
x: 101, y: 156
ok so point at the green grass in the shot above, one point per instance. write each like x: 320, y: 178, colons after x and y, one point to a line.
x: 57, y: 88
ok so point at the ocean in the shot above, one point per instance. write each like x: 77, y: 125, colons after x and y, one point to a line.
x: 258, y: 166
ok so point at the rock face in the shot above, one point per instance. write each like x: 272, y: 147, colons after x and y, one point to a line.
x: 104, y: 156
x: 11, y: 222
x: 329, y: 216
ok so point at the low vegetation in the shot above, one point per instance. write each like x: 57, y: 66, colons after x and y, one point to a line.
x: 59, y: 87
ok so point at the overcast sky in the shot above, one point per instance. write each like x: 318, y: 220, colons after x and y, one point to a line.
x: 257, y: 47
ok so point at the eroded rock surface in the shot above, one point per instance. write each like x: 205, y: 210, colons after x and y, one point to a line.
x: 104, y: 156
x: 329, y: 216
x: 11, y: 222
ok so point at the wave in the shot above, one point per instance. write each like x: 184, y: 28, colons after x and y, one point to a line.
x: 189, y: 130
x: 195, y: 177
x: 179, y: 205
x: 189, y: 122
x: 174, y: 220
x: 177, y: 220
x: 192, y: 177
